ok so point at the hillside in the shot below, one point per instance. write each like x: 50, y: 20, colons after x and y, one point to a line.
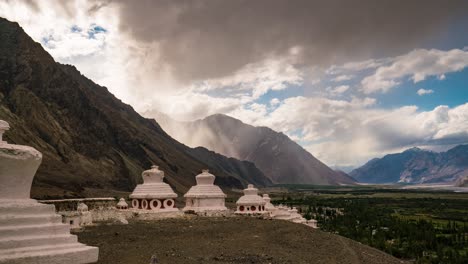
x: 226, y: 240
x: 275, y: 154
x: 416, y: 166
x: 91, y: 140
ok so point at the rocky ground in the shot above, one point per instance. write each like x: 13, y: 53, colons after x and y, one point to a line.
x: 224, y: 240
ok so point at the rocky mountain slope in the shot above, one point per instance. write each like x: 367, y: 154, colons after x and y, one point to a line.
x: 276, y: 155
x: 91, y: 140
x: 416, y: 166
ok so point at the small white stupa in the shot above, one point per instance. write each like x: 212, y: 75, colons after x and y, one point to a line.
x: 268, y: 205
x: 205, y: 196
x: 250, y: 202
x: 282, y: 213
x: 312, y: 223
x: 296, y: 217
x: 153, y: 194
x: 122, y: 204
x: 31, y: 232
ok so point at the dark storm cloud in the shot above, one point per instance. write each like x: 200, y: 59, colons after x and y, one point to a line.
x: 212, y: 38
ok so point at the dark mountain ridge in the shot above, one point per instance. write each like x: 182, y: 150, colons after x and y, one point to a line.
x: 91, y: 140
x: 416, y: 166
x: 275, y: 154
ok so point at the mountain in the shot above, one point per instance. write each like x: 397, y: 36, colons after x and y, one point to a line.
x: 276, y: 155
x: 416, y: 166
x: 90, y: 140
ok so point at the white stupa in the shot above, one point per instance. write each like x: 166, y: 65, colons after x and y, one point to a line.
x: 31, y: 232
x: 312, y: 223
x: 296, y: 217
x: 282, y: 213
x: 122, y: 204
x: 153, y: 194
x: 268, y: 205
x: 205, y: 196
x: 250, y: 202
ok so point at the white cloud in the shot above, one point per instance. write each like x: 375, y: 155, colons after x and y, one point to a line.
x: 353, y: 67
x: 259, y: 78
x: 421, y: 92
x: 274, y: 102
x: 338, y: 90
x: 344, y: 133
x: 341, y: 78
x: 418, y: 65
x: 339, y: 132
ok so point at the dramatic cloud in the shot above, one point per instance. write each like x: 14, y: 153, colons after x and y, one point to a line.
x: 305, y: 68
x: 351, y: 132
x: 418, y: 65
x: 338, y: 90
x: 259, y: 78
x: 424, y: 91
x: 341, y: 78
x: 210, y: 39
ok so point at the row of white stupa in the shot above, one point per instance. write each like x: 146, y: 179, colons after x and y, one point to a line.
x: 155, y: 195
x: 31, y: 232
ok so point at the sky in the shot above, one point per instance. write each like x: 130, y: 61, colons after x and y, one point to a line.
x: 348, y: 80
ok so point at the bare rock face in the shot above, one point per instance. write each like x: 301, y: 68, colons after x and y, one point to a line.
x: 275, y: 154
x: 416, y: 166
x: 90, y: 140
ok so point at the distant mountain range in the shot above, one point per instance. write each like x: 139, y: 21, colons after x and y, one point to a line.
x: 416, y: 166
x: 90, y: 140
x: 276, y: 155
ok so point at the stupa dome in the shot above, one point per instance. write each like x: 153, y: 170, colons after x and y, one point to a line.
x: 122, y: 204
x: 18, y: 165
x: 268, y: 205
x: 153, y: 175
x: 153, y: 185
x: 205, y: 178
x: 205, y: 196
x: 205, y: 186
x: 153, y: 194
x: 32, y: 232
x: 82, y: 207
x: 251, y: 197
x: 251, y: 202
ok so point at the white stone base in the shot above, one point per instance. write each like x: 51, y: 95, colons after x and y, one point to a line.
x: 152, y: 215
x: 31, y: 232
x: 209, y: 212
x: 263, y: 213
x: 202, y: 209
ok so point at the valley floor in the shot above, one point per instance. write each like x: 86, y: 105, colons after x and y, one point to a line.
x: 225, y: 240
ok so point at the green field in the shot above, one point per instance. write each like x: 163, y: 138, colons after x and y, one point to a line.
x: 426, y: 226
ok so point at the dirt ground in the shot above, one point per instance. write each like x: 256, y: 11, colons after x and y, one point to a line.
x: 224, y: 240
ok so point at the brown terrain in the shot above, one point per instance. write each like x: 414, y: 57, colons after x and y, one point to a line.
x: 225, y: 240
